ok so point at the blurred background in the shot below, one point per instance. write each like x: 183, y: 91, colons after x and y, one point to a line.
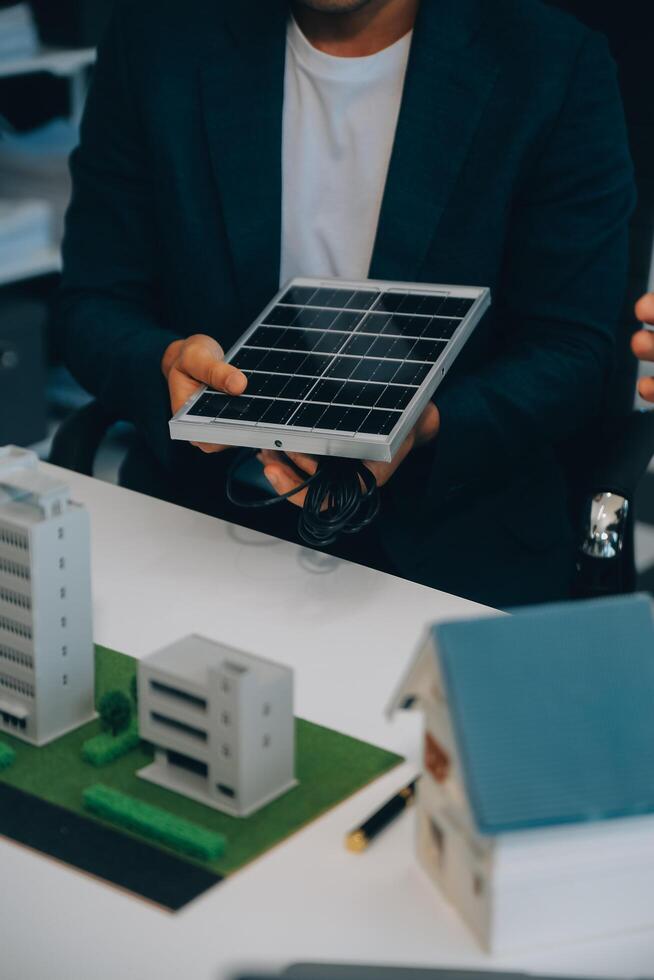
x: 47, y: 51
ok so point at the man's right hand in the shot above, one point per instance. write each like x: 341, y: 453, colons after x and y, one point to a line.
x: 199, y: 360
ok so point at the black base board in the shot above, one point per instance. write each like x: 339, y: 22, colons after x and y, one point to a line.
x: 83, y: 843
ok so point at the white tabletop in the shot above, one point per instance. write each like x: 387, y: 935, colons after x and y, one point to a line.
x: 160, y: 572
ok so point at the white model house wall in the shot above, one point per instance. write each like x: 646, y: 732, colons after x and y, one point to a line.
x: 227, y: 740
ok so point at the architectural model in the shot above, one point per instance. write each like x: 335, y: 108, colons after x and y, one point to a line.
x: 46, y: 641
x: 221, y: 722
x: 535, y: 811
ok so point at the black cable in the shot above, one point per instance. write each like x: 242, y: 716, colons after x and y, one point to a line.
x: 336, y: 502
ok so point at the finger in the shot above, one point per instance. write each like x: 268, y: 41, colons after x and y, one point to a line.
x: 428, y: 425
x: 646, y: 389
x: 202, y: 359
x: 283, y: 480
x: 645, y: 309
x: 208, y: 447
x: 642, y: 344
x: 270, y: 456
x: 308, y: 464
x: 384, y: 471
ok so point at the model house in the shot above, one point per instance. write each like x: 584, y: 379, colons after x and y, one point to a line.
x: 535, y: 810
x: 221, y: 722
x: 46, y: 638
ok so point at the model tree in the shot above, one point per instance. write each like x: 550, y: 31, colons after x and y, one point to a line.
x: 115, y: 711
x: 134, y: 688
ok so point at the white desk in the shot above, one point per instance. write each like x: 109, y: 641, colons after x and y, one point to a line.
x: 160, y: 572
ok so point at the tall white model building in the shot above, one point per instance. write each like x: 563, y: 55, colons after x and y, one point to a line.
x: 222, y: 724
x: 46, y: 639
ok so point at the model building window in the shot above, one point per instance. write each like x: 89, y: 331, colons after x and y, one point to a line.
x: 266, y: 741
x: 437, y: 761
x: 64, y: 651
x: 186, y: 762
x: 225, y: 718
x: 179, y: 726
x: 266, y: 708
x: 63, y: 621
x: 62, y: 563
x: 64, y: 680
x: 174, y: 692
x: 62, y: 593
x: 226, y: 751
x: 60, y: 533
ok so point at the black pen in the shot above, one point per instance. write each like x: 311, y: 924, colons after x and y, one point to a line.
x: 359, y: 839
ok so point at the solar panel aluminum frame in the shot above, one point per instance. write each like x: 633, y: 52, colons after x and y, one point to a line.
x: 325, y: 443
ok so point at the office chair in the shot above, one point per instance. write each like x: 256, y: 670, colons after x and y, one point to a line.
x: 606, y: 465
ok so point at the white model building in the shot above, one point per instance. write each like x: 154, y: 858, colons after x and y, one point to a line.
x: 535, y: 809
x: 46, y: 638
x: 221, y: 722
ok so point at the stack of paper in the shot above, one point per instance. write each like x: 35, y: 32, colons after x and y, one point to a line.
x: 18, y: 36
x: 25, y: 231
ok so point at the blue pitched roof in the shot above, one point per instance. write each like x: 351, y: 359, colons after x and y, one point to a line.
x: 553, y: 710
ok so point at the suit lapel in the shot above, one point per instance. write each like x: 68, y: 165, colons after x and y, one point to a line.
x: 243, y: 88
x: 448, y: 83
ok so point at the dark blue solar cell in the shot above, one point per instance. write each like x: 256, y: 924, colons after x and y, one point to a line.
x: 380, y: 423
x: 455, y: 306
x: 362, y: 299
x: 395, y: 396
x: 343, y: 367
x: 314, y: 364
x: 298, y: 295
x: 331, y: 297
x: 248, y: 358
x: 426, y: 350
x: 330, y: 342
x: 411, y: 373
x: 307, y: 415
x: 281, y: 316
x: 208, y: 405
x: 359, y: 344
x: 389, y: 302
x: 374, y: 323
x: 279, y: 412
x: 346, y: 320
x: 440, y: 328
x: 297, y: 387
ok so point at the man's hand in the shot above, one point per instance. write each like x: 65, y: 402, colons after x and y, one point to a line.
x: 284, y: 478
x: 642, y: 343
x: 198, y: 360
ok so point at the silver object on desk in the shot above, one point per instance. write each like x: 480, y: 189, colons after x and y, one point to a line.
x: 606, y: 527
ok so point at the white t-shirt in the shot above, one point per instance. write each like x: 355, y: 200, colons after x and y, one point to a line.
x: 340, y: 116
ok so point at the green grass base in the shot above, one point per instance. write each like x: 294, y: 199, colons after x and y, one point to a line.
x: 329, y: 766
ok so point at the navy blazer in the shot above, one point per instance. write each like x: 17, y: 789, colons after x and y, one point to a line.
x: 510, y: 169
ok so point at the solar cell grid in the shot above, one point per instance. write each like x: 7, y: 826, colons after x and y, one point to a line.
x: 343, y: 359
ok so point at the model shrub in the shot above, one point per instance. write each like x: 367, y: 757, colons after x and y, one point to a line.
x: 105, y: 748
x: 7, y: 756
x: 153, y: 822
x: 134, y: 688
x: 115, y: 711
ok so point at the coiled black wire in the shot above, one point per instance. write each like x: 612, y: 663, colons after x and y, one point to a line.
x: 342, y: 498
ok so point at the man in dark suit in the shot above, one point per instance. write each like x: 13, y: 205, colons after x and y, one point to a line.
x: 507, y: 166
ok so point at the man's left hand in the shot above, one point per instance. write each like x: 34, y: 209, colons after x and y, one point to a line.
x: 284, y: 478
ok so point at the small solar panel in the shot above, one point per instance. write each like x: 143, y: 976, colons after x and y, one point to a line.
x: 337, y: 368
